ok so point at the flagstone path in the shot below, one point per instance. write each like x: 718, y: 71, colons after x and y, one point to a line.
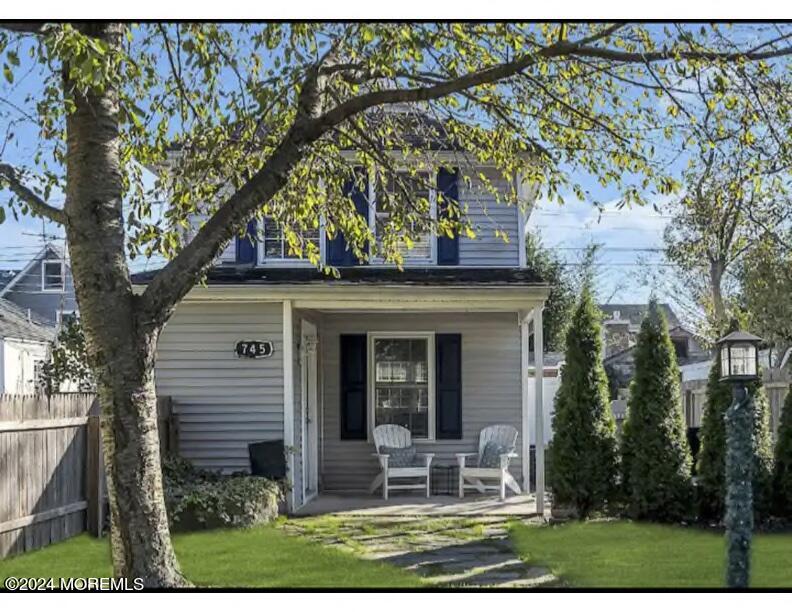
x: 454, y: 552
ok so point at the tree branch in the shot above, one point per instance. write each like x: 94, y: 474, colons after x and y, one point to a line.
x: 311, y: 123
x: 12, y: 178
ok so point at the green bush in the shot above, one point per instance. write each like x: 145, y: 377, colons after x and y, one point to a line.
x: 656, y: 458
x: 782, y: 477
x: 583, y: 464
x: 200, y: 499
x: 712, y: 454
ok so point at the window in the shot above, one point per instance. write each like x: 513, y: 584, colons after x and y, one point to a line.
x: 416, y: 187
x: 275, y: 247
x: 680, y: 347
x: 402, y: 389
x: 52, y: 275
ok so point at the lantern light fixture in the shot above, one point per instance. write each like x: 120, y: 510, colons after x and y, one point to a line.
x: 739, y: 357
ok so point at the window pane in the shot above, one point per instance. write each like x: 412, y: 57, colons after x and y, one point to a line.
x: 401, y: 392
x: 276, y: 246
x: 53, y: 275
x: 414, y: 188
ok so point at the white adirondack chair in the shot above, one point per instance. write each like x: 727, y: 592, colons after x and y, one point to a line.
x: 506, y: 436
x: 396, y: 436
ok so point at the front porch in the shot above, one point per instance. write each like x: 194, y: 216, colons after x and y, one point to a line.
x: 517, y: 506
x: 339, y: 395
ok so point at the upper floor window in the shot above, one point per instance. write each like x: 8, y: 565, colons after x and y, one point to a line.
x: 398, y: 190
x: 275, y: 246
x: 52, y: 275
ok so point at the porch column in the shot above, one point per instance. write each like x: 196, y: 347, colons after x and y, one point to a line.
x: 539, y: 407
x: 524, y: 320
x: 288, y: 399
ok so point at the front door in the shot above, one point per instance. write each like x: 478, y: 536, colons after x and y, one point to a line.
x: 310, y: 410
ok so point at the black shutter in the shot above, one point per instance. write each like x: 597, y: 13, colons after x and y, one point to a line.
x: 246, y: 245
x: 338, y: 253
x: 447, y: 187
x: 448, y: 386
x: 353, y: 387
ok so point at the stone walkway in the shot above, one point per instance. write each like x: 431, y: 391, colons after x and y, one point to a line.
x: 453, y: 552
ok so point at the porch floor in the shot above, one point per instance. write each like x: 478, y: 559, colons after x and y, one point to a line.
x: 414, y: 505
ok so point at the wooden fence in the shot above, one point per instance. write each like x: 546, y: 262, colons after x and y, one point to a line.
x: 51, y: 471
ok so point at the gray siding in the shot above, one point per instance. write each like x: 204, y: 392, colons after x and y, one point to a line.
x: 490, y: 387
x: 26, y: 293
x: 487, y: 216
x: 224, y: 402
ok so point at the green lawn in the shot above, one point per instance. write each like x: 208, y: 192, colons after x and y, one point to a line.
x: 633, y: 555
x: 258, y: 557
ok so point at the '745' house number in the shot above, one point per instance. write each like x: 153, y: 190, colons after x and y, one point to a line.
x: 254, y: 349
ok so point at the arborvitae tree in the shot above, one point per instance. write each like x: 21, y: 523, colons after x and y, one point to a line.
x: 782, y: 477
x: 712, y: 454
x: 656, y: 457
x: 583, y: 462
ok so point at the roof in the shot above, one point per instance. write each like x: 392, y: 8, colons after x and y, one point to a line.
x: 635, y: 313
x: 6, y: 276
x: 14, y: 323
x: 364, y: 275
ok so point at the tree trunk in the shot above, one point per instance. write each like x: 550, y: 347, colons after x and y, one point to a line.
x: 120, y: 344
x: 717, y: 269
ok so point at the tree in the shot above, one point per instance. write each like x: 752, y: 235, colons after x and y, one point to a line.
x: 766, y: 284
x: 656, y: 458
x: 253, y: 119
x: 583, y: 467
x: 782, y: 474
x: 722, y: 216
x: 561, y: 301
x: 68, y: 360
x: 712, y: 452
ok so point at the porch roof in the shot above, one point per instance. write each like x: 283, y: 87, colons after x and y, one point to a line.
x: 364, y: 275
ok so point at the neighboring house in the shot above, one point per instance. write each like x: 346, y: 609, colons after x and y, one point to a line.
x: 621, y: 324
x: 441, y: 347
x: 6, y: 276
x: 24, y: 344
x: 44, y: 286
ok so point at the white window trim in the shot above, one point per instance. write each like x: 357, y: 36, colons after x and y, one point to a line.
x: 430, y: 347
x: 283, y: 262
x: 44, y: 263
x: 372, y: 221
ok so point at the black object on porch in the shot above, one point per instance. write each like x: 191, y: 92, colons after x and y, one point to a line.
x: 267, y: 459
x: 445, y: 479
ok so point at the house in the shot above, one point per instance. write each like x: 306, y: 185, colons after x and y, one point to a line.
x: 24, y: 345
x: 273, y: 349
x: 620, y: 326
x: 44, y: 286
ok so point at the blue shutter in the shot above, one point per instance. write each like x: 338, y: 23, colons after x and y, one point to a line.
x: 338, y: 252
x: 246, y: 245
x: 353, y: 387
x: 448, y: 386
x: 447, y: 248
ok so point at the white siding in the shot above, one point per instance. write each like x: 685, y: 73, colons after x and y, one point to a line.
x: 488, y: 215
x: 224, y: 402
x: 18, y: 360
x: 490, y: 387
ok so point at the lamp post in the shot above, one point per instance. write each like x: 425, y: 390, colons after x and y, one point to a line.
x: 739, y: 366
